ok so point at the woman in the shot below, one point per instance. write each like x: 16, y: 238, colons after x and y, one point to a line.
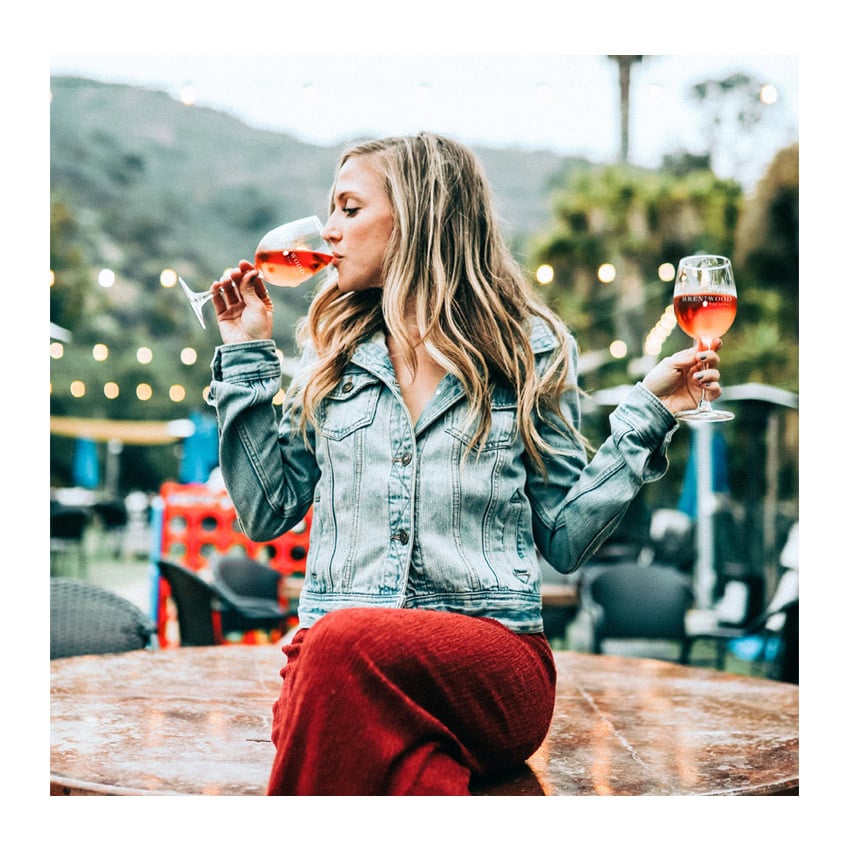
x: 433, y: 429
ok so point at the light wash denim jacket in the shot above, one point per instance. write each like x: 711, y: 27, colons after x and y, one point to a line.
x: 398, y: 519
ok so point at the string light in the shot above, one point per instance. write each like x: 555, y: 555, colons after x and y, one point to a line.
x: 544, y: 274
x: 618, y: 349
x: 606, y: 273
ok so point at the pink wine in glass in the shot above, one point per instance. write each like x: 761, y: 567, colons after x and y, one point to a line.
x: 705, y: 315
x: 290, y: 268
x: 286, y: 256
x: 704, y: 302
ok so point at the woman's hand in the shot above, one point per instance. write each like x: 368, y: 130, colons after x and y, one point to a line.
x: 679, y: 380
x: 242, y: 305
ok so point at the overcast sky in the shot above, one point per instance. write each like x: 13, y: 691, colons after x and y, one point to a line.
x: 565, y: 103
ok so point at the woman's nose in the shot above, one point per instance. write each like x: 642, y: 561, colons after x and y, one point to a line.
x: 329, y: 232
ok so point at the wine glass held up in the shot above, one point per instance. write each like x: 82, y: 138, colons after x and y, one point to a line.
x: 704, y: 301
x: 288, y: 255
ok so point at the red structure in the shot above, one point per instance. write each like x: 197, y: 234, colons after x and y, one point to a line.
x: 199, y: 524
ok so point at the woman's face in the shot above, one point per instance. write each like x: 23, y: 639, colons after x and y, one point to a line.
x: 360, y: 226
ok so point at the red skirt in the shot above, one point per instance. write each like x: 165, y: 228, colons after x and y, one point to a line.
x: 379, y: 701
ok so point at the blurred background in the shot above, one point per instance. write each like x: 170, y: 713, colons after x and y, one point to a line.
x: 606, y: 169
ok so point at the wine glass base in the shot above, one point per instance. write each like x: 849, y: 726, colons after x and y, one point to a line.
x: 196, y: 300
x: 704, y: 415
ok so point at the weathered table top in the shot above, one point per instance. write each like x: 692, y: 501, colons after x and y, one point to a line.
x: 197, y: 721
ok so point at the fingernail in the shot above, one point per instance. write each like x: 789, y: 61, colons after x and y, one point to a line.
x: 697, y: 376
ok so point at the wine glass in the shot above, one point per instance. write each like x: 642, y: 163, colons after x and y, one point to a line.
x: 288, y: 255
x: 704, y: 301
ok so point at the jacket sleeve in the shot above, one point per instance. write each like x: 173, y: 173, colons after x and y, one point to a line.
x: 269, y: 470
x: 578, y: 503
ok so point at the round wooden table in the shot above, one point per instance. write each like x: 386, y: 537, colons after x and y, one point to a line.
x: 197, y: 721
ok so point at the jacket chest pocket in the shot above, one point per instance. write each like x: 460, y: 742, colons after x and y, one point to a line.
x: 351, y: 405
x: 503, y: 431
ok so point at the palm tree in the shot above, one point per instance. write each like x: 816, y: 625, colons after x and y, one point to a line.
x: 625, y: 65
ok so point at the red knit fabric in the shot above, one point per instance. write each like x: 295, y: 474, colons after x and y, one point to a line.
x: 395, y: 702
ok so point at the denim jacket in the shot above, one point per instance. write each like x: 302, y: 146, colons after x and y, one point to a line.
x: 401, y: 516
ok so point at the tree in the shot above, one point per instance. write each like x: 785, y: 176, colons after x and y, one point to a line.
x: 733, y: 111
x: 624, y: 63
x: 635, y: 220
x: 767, y: 265
x: 71, y: 297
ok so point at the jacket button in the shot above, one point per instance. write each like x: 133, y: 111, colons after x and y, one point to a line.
x: 402, y: 537
x: 405, y: 459
x: 348, y: 386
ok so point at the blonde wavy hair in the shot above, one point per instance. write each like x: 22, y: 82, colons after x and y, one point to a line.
x: 448, y: 262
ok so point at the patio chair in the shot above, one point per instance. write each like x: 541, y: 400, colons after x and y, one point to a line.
x: 90, y: 620
x: 771, y: 638
x: 207, y: 612
x: 248, y: 585
x: 68, y: 529
x: 642, y: 606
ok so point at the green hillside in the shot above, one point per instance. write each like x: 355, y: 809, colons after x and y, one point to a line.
x: 154, y: 183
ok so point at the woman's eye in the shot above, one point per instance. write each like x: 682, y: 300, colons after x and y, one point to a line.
x: 350, y: 211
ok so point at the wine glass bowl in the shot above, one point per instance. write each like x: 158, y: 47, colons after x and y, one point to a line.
x: 287, y: 256
x: 704, y: 301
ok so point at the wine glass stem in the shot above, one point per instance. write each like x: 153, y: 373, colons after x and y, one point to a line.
x: 704, y: 402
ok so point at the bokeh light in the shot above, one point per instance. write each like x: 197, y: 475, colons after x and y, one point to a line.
x: 106, y: 278
x: 188, y: 95
x: 768, y: 94
x: 606, y: 273
x: 618, y: 349
x: 544, y: 274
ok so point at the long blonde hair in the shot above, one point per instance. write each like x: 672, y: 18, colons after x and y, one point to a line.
x: 448, y: 261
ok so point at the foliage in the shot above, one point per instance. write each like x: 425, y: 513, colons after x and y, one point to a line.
x: 635, y: 220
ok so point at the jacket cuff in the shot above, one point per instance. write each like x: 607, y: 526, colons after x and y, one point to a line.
x: 243, y: 362
x: 644, y: 413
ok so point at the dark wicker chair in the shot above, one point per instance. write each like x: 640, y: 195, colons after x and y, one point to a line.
x: 90, y: 620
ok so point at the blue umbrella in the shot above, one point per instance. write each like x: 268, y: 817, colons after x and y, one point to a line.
x: 199, y: 451
x: 720, y: 484
x: 85, y: 468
